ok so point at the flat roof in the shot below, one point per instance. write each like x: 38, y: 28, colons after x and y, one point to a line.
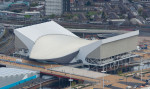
x: 97, y: 31
x: 107, y: 35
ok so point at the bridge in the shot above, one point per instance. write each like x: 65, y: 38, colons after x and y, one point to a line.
x: 69, y: 72
x: 53, y: 69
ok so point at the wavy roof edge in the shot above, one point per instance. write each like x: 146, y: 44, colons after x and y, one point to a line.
x: 42, y: 29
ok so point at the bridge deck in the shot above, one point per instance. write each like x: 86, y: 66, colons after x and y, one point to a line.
x: 45, y: 68
x: 53, y: 69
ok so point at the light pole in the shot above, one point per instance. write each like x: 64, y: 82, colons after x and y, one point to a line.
x: 70, y: 80
x: 103, y: 76
x: 141, y: 64
x: 40, y: 85
x: 13, y: 54
x: 126, y: 79
x: 59, y: 82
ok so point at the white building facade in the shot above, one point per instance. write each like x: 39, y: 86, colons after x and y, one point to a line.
x: 55, y: 43
x: 54, y: 7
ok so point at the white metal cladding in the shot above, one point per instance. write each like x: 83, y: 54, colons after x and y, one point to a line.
x: 119, y: 37
x: 27, y: 41
x: 56, y: 46
x: 35, y: 31
x: 28, y: 35
x: 86, y: 50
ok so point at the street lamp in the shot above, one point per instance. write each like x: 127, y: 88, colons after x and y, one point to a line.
x: 103, y: 76
x: 141, y: 64
x: 70, y: 80
x: 126, y: 79
x: 40, y: 85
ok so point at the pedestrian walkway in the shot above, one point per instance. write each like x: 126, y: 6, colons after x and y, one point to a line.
x: 79, y: 72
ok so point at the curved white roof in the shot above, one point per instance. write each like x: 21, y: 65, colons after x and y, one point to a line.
x: 13, y: 71
x: 56, y: 46
x: 30, y: 34
x: 49, y: 40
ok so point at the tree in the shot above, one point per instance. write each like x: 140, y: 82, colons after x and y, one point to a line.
x: 33, y: 4
x: 119, y: 72
x: 80, y: 81
x: 52, y: 16
x: 27, y: 16
x: 130, y: 1
x: 104, y: 16
x: 73, y: 83
x: 17, y: 11
x: 140, y: 11
x: 69, y: 16
x: 90, y: 15
x: 88, y: 3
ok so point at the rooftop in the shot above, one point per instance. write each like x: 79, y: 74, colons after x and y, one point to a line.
x: 48, y: 44
x: 4, y: 72
x: 97, y: 31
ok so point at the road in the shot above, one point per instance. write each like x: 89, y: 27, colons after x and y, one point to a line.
x: 8, y: 47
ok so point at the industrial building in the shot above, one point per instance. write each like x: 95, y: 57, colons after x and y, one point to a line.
x: 53, y: 43
x: 11, y: 77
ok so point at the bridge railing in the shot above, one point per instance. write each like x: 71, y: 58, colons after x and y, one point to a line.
x: 22, y: 63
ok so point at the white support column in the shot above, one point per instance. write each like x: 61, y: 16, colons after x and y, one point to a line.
x: 141, y: 65
x: 103, y: 76
x: 110, y: 65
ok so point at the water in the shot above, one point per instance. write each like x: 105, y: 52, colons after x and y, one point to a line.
x: 60, y: 84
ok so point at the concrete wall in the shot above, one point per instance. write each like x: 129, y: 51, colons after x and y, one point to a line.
x: 114, y: 48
